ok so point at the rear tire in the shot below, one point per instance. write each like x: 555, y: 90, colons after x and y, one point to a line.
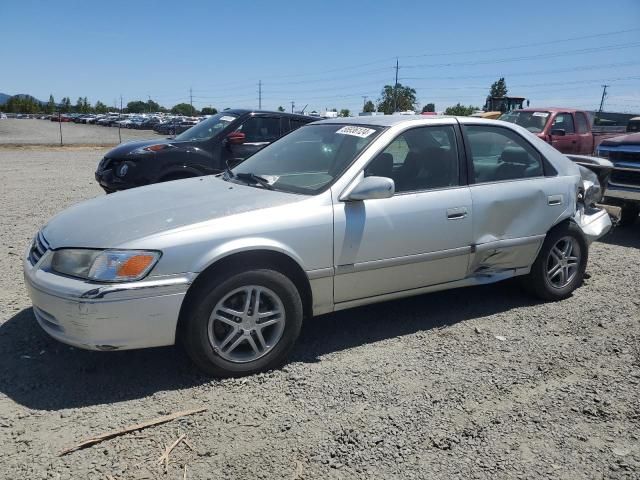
x: 628, y: 215
x: 243, y: 323
x: 559, y: 268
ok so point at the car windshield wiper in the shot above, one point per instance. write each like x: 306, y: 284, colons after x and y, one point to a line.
x: 228, y: 171
x: 252, y: 177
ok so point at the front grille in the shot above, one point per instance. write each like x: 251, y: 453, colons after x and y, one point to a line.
x: 625, y: 157
x: 38, y: 248
x: 625, y: 177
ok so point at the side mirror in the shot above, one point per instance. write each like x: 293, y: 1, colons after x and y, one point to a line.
x: 558, y: 132
x: 372, y: 188
x: 236, y: 138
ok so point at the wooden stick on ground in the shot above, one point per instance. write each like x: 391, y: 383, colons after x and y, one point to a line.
x: 184, y: 477
x: 165, y: 456
x: 115, y: 433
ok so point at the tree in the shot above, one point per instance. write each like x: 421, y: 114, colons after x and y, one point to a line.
x: 51, y: 105
x: 396, y: 99
x: 498, y: 88
x: 429, y: 107
x: 369, y: 107
x: 281, y: 108
x: 460, y: 110
x: 208, y: 111
x: 153, y: 106
x: 137, y: 106
x: 183, y: 109
x: 345, y: 112
x: 100, y: 107
x: 65, y: 105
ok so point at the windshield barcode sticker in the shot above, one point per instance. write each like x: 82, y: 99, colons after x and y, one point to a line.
x: 540, y: 114
x: 361, y: 132
x: 227, y: 118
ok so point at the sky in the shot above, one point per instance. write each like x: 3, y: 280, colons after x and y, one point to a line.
x: 322, y: 54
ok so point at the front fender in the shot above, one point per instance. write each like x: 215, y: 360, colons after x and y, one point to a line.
x: 245, y: 245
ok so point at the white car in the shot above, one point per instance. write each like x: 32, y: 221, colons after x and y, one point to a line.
x: 336, y: 214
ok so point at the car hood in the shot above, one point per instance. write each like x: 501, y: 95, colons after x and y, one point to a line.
x: 631, y: 139
x: 112, y: 220
x: 126, y: 148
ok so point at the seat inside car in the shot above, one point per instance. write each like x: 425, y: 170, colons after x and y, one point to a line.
x: 516, y: 162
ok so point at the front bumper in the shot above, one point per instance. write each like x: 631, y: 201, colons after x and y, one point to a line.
x: 111, y: 183
x: 620, y: 192
x: 106, y: 316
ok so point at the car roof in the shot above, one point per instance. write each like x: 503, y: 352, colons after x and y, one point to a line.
x: 243, y: 111
x: 384, y: 120
x: 549, y: 109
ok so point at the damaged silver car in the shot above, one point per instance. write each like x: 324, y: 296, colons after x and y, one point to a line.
x: 339, y: 213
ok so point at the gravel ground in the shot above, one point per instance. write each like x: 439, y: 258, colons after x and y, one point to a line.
x: 472, y: 383
x: 44, y: 132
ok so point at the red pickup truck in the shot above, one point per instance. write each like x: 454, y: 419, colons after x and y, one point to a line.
x: 568, y: 130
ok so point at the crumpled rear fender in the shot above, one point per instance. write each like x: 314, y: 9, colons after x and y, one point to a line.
x: 594, y: 222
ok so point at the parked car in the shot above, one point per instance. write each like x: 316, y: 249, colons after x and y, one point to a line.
x: 568, y: 130
x: 60, y: 118
x: 206, y: 148
x: 624, y: 184
x: 110, y: 120
x: 168, y: 127
x: 633, y: 125
x: 336, y: 214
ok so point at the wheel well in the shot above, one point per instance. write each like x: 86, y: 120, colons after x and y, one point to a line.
x: 242, y: 261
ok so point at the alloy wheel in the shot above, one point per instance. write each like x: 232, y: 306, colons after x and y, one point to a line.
x: 563, y: 262
x: 246, y: 324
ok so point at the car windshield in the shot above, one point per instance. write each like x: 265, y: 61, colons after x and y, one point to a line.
x: 207, y: 129
x: 532, y: 121
x: 306, y: 160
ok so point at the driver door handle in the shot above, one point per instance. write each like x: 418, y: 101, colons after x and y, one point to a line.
x: 456, y: 213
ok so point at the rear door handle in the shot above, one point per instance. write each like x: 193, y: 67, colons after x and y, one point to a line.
x: 554, y: 200
x: 456, y: 213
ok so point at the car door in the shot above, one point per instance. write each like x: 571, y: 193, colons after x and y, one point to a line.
x: 567, y: 143
x: 585, y: 137
x: 514, y: 203
x: 259, y: 131
x: 419, y: 237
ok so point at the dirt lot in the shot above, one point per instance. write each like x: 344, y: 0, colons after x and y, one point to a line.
x: 473, y: 383
x: 45, y: 132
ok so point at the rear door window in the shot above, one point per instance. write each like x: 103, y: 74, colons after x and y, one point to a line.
x: 499, y: 154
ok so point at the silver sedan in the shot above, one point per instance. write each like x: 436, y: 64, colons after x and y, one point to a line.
x: 337, y: 214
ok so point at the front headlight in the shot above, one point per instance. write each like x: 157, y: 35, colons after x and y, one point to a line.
x: 151, y: 148
x: 104, y: 265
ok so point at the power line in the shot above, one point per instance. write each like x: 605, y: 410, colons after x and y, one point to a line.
x: 530, y: 57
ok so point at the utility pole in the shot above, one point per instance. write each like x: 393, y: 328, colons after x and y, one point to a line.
x: 604, y: 94
x: 120, y: 120
x: 395, y: 90
x: 149, y: 96
x: 364, y: 101
x: 259, y: 94
x: 191, y: 99
x: 293, y: 104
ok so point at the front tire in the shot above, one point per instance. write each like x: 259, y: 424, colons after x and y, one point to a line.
x: 559, y: 268
x: 244, y: 324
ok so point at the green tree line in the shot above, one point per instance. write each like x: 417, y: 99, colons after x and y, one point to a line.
x: 29, y: 104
